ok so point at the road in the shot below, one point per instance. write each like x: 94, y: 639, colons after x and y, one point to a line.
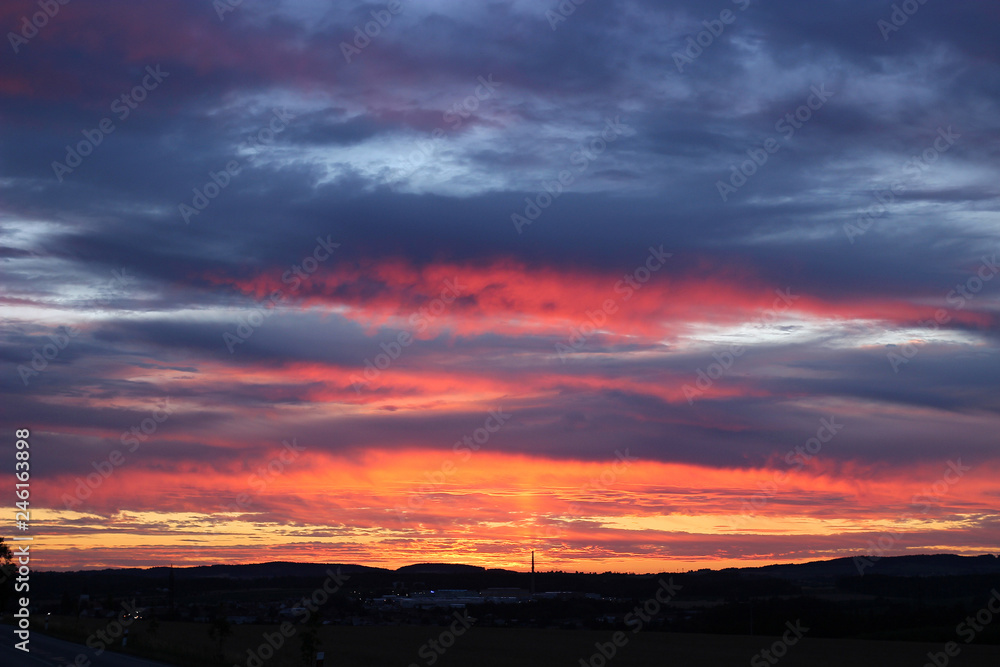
x: 50, y: 652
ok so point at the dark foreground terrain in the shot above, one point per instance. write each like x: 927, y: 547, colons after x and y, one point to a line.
x: 188, y: 645
x: 915, y: 610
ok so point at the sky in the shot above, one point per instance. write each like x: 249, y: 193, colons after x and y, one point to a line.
x: 640, y: 285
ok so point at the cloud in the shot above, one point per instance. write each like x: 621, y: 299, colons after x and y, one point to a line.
x: 418, y: 168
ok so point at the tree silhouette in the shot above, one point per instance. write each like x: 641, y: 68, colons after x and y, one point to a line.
x: 220, y: 629
x: 309, y: 644
x: 7, y: 571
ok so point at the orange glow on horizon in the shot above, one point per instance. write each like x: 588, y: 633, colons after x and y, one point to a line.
x: 392, y: 508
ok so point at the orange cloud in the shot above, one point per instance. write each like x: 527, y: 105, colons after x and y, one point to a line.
x: 395, y: 507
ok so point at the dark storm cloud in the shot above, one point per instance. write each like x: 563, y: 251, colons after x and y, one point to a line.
x: 329, y: 174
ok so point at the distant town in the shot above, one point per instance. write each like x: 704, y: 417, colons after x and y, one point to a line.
x: 905, y: 595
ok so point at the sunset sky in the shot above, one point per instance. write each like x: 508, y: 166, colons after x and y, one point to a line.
x: 642, y: 285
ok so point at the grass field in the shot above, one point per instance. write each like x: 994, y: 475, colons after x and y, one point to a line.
x: 189, y: 644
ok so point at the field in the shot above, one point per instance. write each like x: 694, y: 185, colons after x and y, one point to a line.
x: 189, y: 644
